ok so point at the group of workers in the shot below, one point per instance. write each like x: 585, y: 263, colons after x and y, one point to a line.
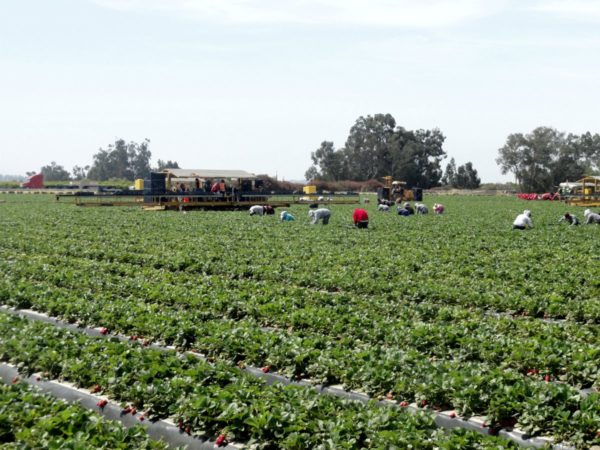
x: 360, y: 217
x: 523, y: 220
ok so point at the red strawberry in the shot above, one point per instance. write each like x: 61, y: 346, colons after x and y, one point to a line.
x: 220, y: 440
x: 452, y: 415
x: 133, y: 411
x: 103, y: 330
x: 134, y: 338
x: 142, y: 417
x: 547, y: 378
x: 423, y: 403
x: 95, y: 388
x: 126, y: 410
x: 38, y: 378
x: 102, y: 403
x: 266, y: 369
x: 15, y: 380
x: 404, y: 404
x: 180, y: 424
x: 484, y: 425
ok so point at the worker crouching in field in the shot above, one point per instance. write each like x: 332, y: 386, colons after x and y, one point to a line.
x: 319, y: 214
x: 383, y: 208
x: 360, y: 218
x: 286, y: 216
x: 591, y: 217
x: 438, y: 208
x: 570, y: 219
x: 523, y: 221
x: 260, y: 210
x: 257, y: 210
x: 421, y: 208
x: 405, y: 210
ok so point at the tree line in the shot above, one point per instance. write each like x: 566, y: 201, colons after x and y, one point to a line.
x: 121, y: 160
x: 544, y: 158
x: 376, y: 147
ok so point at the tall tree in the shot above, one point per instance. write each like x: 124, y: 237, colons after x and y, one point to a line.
x: 331, y: 162
x: 168, y: 164
x: 449, y: 178
x: 55, y: 172
x: 367, y: 149
x: 121, y: 160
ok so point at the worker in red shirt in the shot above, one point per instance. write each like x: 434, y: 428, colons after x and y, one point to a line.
x: 360, y: 218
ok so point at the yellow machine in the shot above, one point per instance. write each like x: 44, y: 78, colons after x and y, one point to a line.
x: 584, y: 192
x: 396, y: 191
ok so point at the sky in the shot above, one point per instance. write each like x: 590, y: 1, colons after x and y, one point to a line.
x: 257, y: 85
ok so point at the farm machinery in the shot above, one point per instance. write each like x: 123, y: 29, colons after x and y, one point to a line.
x: 397, y: 191
x: 185, y: 189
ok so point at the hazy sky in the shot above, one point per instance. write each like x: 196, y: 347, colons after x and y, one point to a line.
x: 259, y: 84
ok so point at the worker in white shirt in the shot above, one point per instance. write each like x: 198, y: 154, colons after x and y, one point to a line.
x: 319, y: 214
x: 258, y: 210
x: 382, y: 207
x: 523, y: 221
x: 591, y: 217
x: 421, y: 208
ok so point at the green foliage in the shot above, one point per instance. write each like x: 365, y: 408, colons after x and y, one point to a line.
x: 407, y: 306
x: 55, y: 172
x: 30, y: 419
x: 375, y: 148
x: 121, y: 160
x: 546, y: 157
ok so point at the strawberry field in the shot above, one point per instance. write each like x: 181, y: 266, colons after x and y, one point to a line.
x: 449, y: 313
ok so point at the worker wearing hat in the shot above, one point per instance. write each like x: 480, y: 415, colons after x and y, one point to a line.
x: 523, y: 221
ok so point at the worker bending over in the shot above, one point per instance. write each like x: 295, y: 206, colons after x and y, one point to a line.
x: 405, y: 210
x: 286, y: 216
x: 361, y: 218
x: 421, y: 208
x: 591, y: 217
x: 438, y: 208
x: 319, y: 214
x: 569, y: 218
x: 260, y: 210
x: 523, y: 221
x: 382, y: 207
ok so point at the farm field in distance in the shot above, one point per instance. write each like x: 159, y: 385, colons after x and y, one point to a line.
x: 453, y: 312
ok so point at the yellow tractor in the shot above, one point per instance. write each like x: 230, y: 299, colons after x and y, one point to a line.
x: 396, y: 191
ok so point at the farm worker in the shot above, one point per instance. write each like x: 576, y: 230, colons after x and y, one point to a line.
x: 570, y: 219
x: 286, y: 216
x: 258, y: 210
x: 269, y: 210
x: 591, y: 217
x: 421, y: 208
x: 360, y: 218
x: 222, y: 187
x: 319, y: 214
x: 403, y: 211
x: 438, y: 208
x: 523, y: 221
x: 382, y: 207
x: 409, y: 208
x: 214, y: 188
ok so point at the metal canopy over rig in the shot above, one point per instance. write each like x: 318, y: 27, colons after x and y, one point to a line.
x: 204, y: 189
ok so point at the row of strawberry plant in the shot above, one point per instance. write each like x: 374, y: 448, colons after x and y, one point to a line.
x: 219, y: 400
x: 457, y: 263
x: 30, y: 419
x: 506, y: 396
x: 568, y: 352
